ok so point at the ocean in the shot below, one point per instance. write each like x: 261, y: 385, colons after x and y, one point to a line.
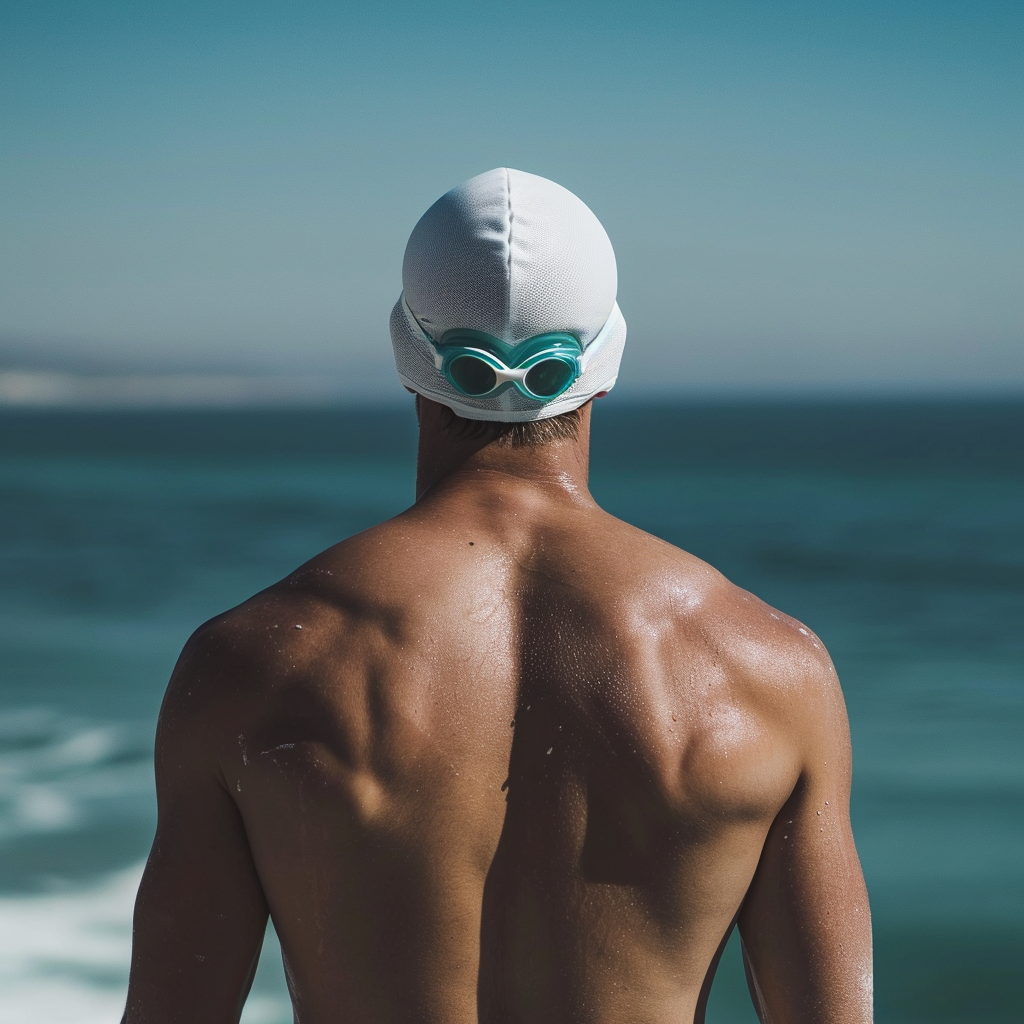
x: 894, y: 529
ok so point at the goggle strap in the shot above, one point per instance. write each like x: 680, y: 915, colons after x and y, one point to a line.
x: 585, y: 357
x: 591, y: 349
x: 602, y: 336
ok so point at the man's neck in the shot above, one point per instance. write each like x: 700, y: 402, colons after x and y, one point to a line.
x: 446, y: 461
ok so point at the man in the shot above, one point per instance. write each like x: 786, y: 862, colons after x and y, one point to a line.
x: 503, y: 758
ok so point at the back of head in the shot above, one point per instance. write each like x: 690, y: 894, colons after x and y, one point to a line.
x: 514, y: 271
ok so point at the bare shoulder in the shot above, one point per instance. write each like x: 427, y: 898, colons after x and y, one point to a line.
x: 233, y: 663
x: 774, y: 652
x: 777, y: 667
x: 278, y: 638
x: 773, y: 659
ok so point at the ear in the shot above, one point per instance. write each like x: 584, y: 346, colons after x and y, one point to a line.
x: 601, y: 394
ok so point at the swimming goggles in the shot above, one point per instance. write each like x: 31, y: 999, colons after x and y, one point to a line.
x: 478, y: 364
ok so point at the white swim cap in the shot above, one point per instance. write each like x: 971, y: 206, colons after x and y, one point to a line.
x: 515, y: 256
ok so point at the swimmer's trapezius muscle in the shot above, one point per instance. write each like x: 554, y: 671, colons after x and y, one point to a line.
x: 504, y: 758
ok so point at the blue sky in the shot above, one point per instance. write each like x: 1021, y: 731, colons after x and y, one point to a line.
x: 816, y: 197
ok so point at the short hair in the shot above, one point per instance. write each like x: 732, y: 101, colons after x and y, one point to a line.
x: 512, y: 435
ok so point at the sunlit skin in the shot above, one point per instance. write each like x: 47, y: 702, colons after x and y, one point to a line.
x: 503, y: 759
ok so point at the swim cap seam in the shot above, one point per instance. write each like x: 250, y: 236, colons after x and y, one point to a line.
x: 508, y: 265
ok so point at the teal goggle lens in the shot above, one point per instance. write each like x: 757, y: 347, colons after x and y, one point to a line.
x: 472, y: 376
x: 549, y: 377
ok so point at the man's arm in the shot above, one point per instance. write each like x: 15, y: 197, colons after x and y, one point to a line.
x: 805, y: 922
x: 200, y: 914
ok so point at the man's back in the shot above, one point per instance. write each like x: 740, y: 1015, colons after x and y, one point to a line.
x: 506, y: 758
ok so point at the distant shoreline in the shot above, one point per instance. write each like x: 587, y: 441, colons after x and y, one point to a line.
x: 58, y: 391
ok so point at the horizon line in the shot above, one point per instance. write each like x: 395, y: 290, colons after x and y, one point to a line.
x: 109, y: 392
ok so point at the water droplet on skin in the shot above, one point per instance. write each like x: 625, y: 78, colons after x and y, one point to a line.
x: 826, y: 803
x: 238, y: 785
x: 528, y: 706
x: 550, y: 749
x: 673, y: 718
x: 297, y: 626
x: 512, y: 724
x: 817, y: 812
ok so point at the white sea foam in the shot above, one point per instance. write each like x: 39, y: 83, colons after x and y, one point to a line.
x: 57, y: 773
x: 64, y: 957
x: 65, y: 951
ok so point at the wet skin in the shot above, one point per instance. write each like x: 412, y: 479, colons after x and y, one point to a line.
x: 503, y: 758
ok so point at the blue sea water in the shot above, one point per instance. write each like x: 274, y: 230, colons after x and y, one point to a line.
x: 895, y: 530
